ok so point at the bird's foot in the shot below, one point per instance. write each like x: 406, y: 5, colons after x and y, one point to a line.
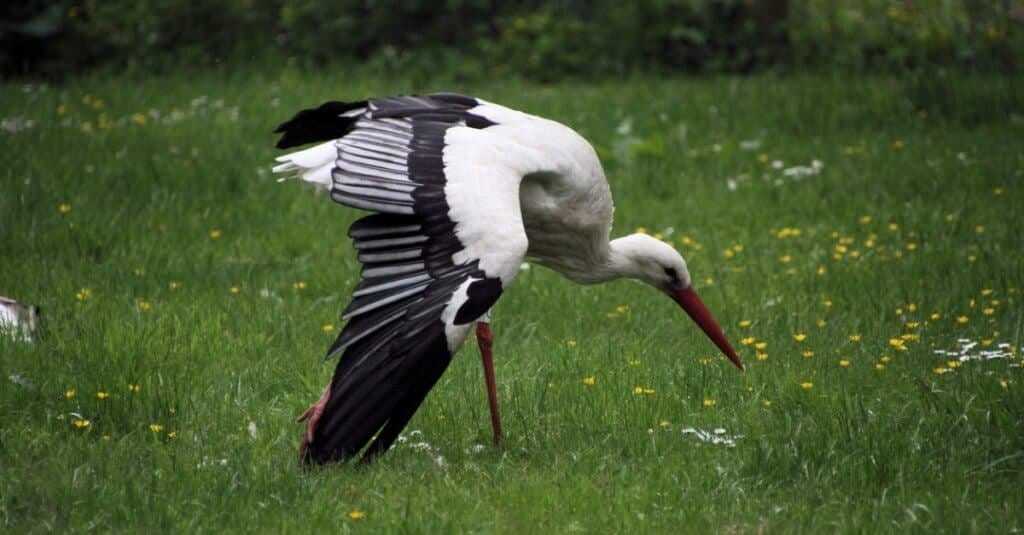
x: 312, y: 417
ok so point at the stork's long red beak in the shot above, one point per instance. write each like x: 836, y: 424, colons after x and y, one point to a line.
x: 687, y: 298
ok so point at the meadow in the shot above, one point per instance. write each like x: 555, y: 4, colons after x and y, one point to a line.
x: 858, y: 238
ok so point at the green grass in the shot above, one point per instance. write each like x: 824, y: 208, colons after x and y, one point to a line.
x: 916, y: 211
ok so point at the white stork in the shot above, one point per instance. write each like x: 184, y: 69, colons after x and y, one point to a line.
x: 464, y: 190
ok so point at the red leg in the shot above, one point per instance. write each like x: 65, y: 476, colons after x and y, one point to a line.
x: 485, y: 339
x: 313, y: 414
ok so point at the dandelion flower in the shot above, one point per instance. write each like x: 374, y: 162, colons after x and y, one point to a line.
x: 327, y: 328
x: 102, y: 395
x: 767, y: 403
x: 785, y: 259
x: 81, y: 423
x: 134, y: 387
x: 356, y: 515
x: 301, y: 285
x: 710, y: 402
x: 986, y: 292
x: 864, y: 219
x: 935, y: 316
x: 144, y: 305
x: 570, y: 343
x: 156, y: 428
x: 172, y: 435
x: 988, y: 311
x: 748, y: 340
x: 175, y: 285
x: 980, y: 229
x: 807, y: 385
x: 799, y: 337
x: 69, y: 394
x: 808, y: 354
x: 235, y: 289
x: 215, y: 234
x: 855, y: 337
x: 844, y: 363
x: 589, y: 381
x: 64, y: 207
x: 961, y: 319
x: 760, y: 345
x: 879, y: 366
x: 762, y: 356
x: 744, y: 323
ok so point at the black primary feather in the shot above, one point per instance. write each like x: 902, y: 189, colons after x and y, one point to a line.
x: 317, y: 124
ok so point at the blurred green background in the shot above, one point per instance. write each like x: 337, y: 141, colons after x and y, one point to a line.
x: 536, y: 40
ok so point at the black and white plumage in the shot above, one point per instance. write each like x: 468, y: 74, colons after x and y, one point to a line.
x: 463, y: 191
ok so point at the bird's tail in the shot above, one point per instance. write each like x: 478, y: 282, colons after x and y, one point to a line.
x: 329, y: 122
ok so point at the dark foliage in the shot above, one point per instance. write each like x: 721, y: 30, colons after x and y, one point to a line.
x: 535, y: 39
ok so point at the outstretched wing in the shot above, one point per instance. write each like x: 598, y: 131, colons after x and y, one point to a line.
x: 446, y: 239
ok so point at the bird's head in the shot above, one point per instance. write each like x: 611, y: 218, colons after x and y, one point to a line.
x: 644, y: 258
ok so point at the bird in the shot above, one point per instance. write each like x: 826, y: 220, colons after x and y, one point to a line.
x: 461, y: 192
x: 17, y: 320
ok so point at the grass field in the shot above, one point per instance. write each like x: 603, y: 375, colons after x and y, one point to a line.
x: 843, y: 230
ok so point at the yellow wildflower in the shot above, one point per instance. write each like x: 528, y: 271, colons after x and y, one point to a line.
x: 710, y: 403
x: 69, y: 394
x: 799, y: 337
x: 144, y: 305
x: 748, y: 340
x: 807, y: 385
x: 64, y: 207
x: 785, y: 259
x: 81, y: 423
x: 744, y: 323
x: 570, y: 343
x: 760, y: 345
x: 762, y: 356
x: 156, y: 428
x: 235, y: 289
x: 807, y: 353
x: 961, y: 319
x: 301, y: 285
x: 327, y: 327
x: 175, y: 285
x: 589, y: 381
x: 102, y: 395
x: 139, y: 118
x: 134, y: 387
x: 215, y: 234
x: 844, y: 363
x: 980, y: 229
x: 864, y: 219
x: 356, y: 515
x: 855, y: 337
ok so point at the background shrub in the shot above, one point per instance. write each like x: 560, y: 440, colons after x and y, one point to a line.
x: 539, y: 40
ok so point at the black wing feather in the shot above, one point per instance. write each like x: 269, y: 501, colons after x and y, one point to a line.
x: 393, y: 346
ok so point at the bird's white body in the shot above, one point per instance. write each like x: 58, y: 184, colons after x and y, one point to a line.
x: 564, y: 211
